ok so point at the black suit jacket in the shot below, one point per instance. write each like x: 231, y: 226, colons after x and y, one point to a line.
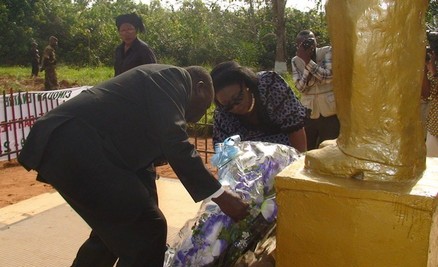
x: 138, y: 116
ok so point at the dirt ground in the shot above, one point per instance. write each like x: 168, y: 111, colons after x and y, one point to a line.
x: 17, y: 184
x: 9, y: 82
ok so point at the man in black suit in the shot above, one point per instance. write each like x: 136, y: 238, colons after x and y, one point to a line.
x: 93, y: 150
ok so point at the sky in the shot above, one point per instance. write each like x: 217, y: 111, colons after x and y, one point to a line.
x: 303, y: 5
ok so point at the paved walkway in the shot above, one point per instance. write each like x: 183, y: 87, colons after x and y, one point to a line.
x: 45, y: 232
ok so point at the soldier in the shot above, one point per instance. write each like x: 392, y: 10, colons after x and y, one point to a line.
x: 34, y: 54
x: 49, y: 65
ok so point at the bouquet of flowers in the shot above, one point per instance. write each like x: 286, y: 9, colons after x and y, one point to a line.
x: 212, y: 238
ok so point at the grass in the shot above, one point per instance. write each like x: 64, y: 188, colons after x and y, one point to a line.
x: 85, y: 76
x: 16, y: 77
x: 80, y: 75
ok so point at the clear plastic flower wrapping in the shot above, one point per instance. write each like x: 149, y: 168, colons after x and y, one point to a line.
x: 247, y: 168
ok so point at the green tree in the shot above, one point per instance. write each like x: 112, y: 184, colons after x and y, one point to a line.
x: 278, y: 9
x: 431, y: 16
x: 198, y: 32
x: 17, y: 32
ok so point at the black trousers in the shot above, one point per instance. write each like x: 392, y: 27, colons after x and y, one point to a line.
x: 321, y: 129
x: 119, y: 205
x: 35, y: 69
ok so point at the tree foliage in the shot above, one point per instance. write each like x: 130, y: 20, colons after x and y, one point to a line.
x: 194, y: 32
x: 431, y: 16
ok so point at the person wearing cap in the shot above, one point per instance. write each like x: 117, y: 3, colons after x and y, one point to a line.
x: 34, y: 54
x: 93, y: 150
x: 48, y: 65
x: 132, y: 51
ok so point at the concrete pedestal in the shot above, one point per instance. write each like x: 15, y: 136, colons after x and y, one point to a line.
x: 334, y: 222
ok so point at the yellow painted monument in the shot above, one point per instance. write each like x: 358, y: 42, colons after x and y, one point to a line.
x: 367, y: 198
x: 378, y: 63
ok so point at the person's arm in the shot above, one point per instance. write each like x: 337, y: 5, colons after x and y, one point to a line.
x: 433, y: 86
x: 219, y: 134
x: 284, y: 109
x: 225, y: 125
x: 51, y: 57
x: 432, y: 75
x: 149, y: 56
x: 300, y: 75
x: 431, y: 64
x: 323, y: 72
x: 167, y: 102
x: 118, y: 59
x: 425, y: 87
x: 298, y: 140
x: 146, y: 54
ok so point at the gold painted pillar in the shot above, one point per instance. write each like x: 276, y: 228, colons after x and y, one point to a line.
x: 378, y: 62
x: 336, y: 222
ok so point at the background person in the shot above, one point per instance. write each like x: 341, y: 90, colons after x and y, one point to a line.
x: 432, y: 115
x: 132, y: 52
x: 34, y: 54
x: 425, y: 93
x: 312, y: 74
x: 48, y: 65
x: 258, y: 107
x: 93, y: 148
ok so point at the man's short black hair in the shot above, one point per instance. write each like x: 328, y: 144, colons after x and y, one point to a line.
x: 200, y: 74
x: 303, y: 35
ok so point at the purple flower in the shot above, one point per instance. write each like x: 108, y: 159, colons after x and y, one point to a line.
x: 248, y: 169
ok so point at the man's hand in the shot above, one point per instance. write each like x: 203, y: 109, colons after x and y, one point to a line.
x: 232, y: 206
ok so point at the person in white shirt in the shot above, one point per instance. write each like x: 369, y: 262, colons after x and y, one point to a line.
x: 312, y: 74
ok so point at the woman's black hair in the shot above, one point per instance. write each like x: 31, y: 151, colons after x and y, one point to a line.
x: 230, y: 72
x: 132, y: 19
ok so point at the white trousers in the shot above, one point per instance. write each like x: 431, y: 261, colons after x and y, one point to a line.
x: 432, y: 145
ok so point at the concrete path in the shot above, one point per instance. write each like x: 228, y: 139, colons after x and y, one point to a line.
x: 44, y: 231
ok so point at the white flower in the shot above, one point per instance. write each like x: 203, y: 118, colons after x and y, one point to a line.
x: 269, y: 209
x: 214, y: 232
x: 218, y: 247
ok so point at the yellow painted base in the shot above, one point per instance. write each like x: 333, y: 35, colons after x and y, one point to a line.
x: 327, y: 221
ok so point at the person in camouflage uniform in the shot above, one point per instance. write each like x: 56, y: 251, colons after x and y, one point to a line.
x: 49, y: 65
x: 34, y: 59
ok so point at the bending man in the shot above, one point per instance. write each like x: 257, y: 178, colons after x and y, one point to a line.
x: 94, y: 149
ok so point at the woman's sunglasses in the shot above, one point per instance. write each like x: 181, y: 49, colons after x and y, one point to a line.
x: 235, y: 100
